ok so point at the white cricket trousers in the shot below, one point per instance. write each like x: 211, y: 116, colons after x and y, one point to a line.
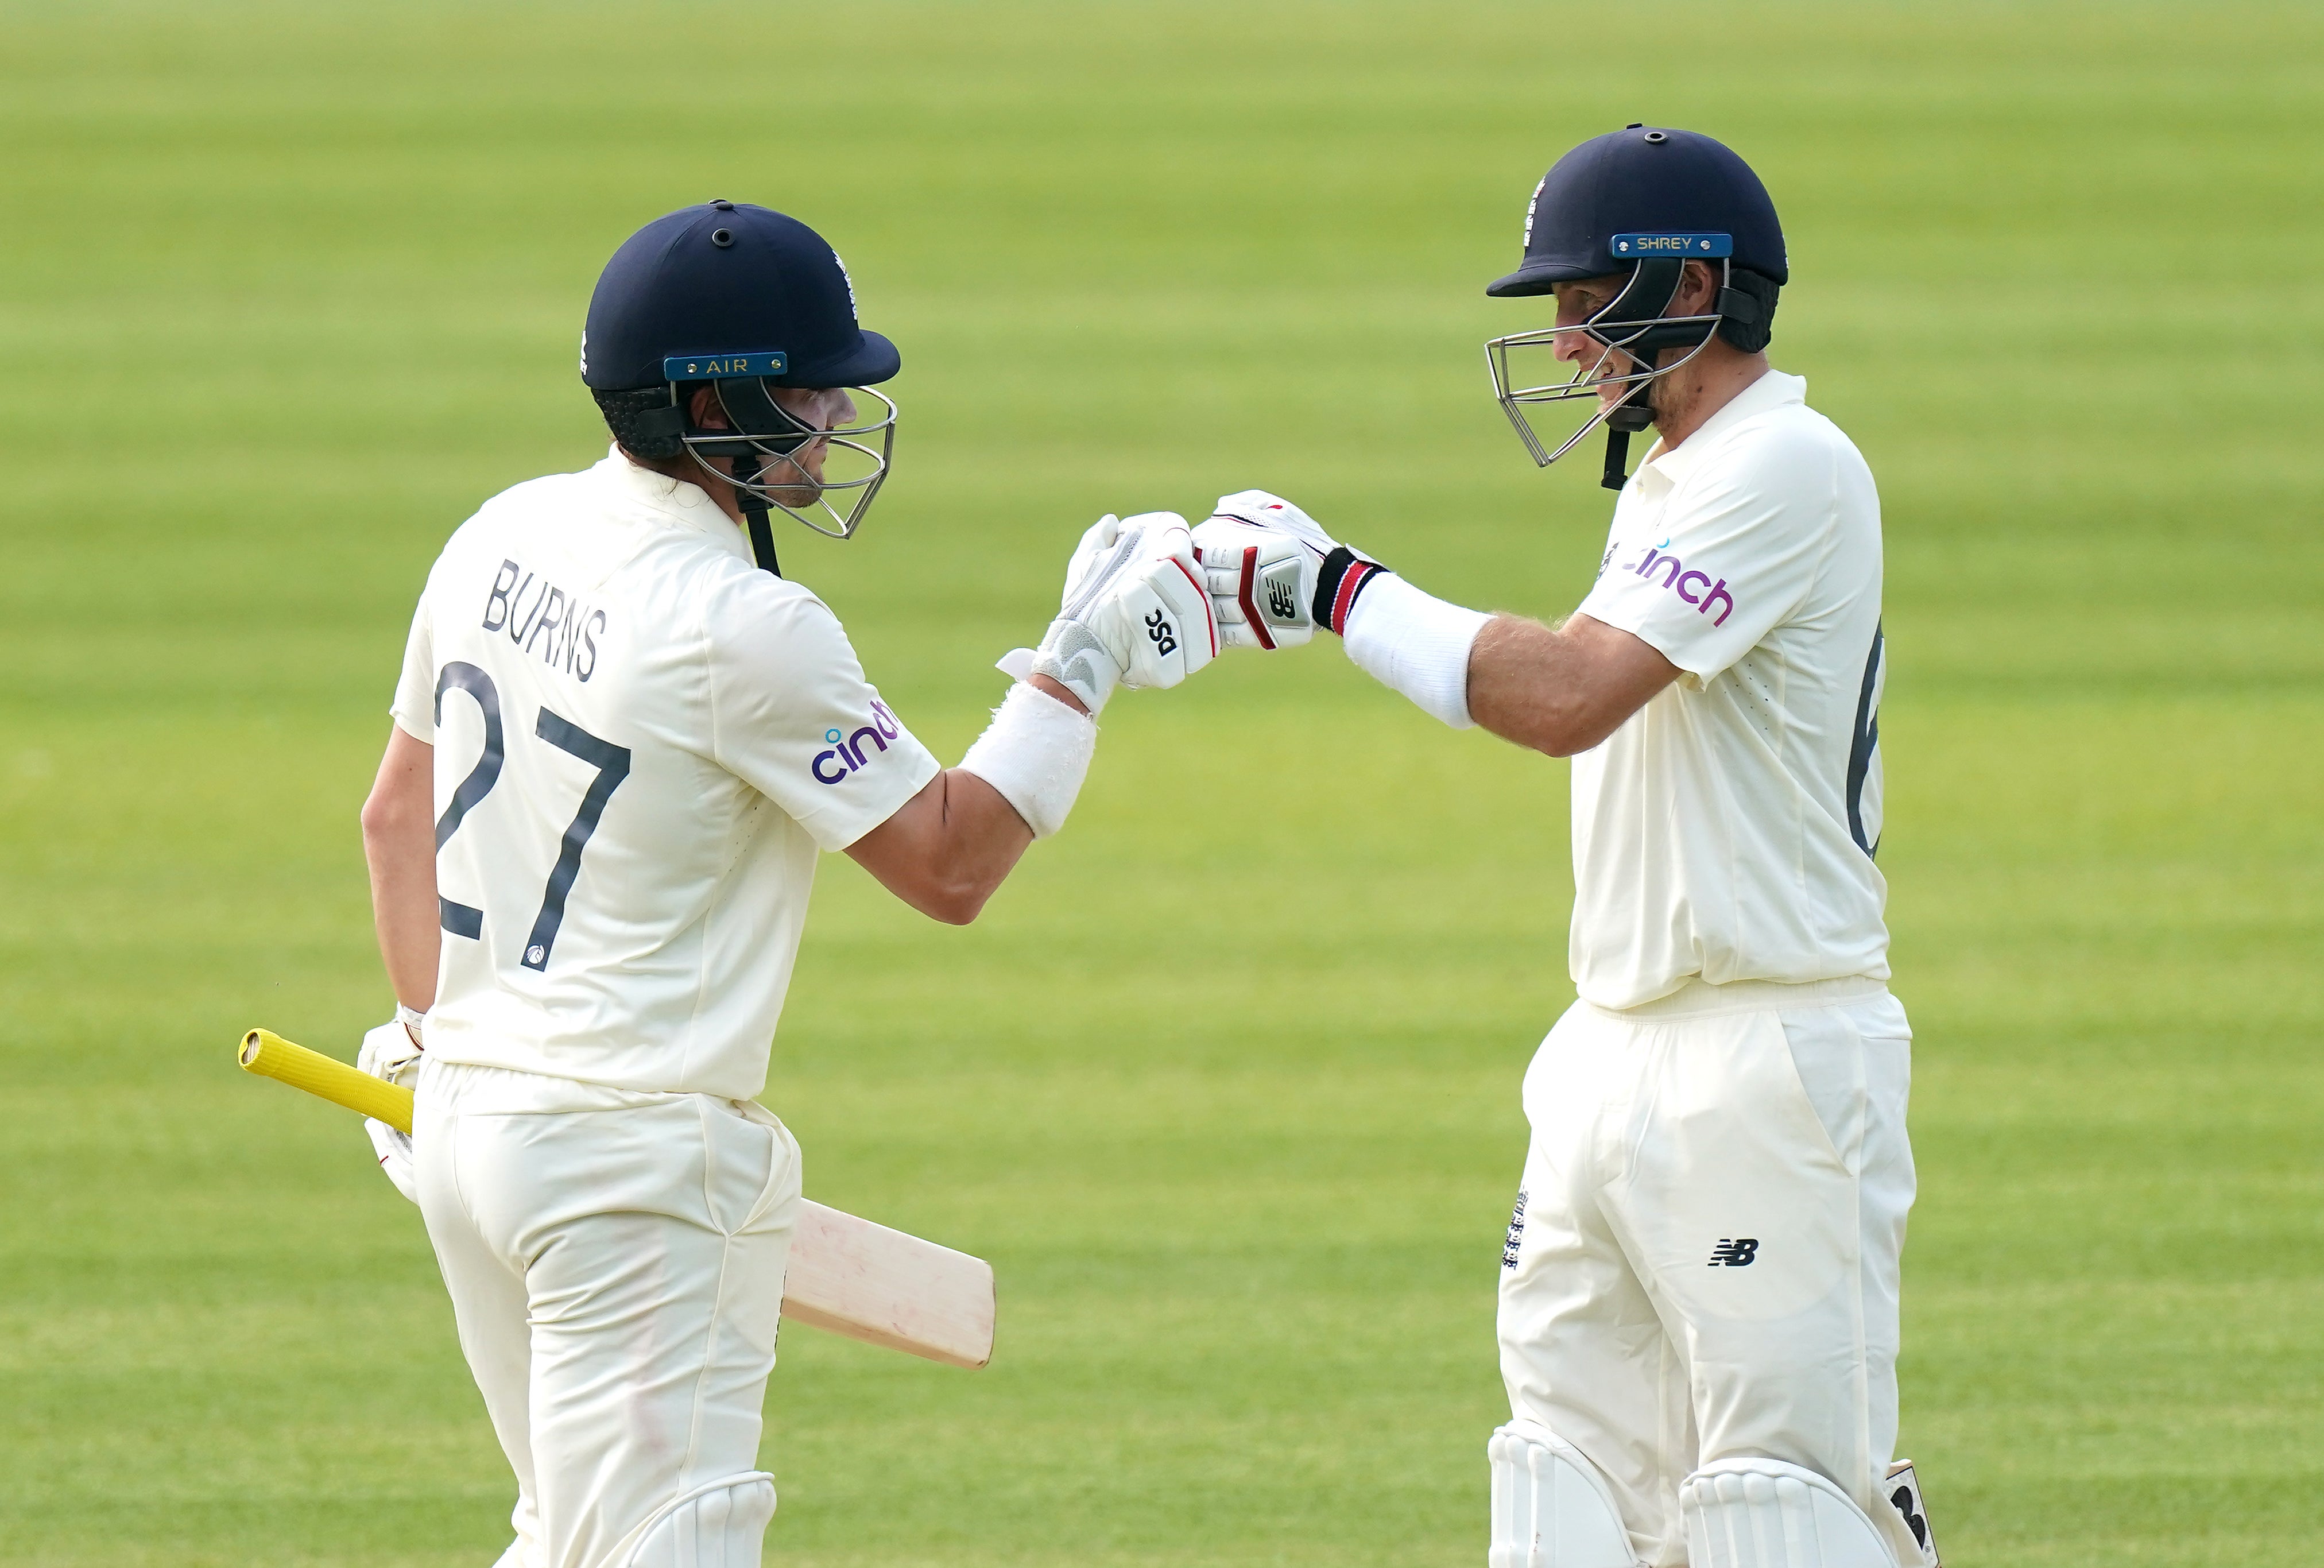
x: 615, y: 1260
x: 1703, y: 1260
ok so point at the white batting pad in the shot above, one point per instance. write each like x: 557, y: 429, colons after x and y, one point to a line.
x: 1552, y: 1508
x: 718, y: 1526
x: 1762, y: 1513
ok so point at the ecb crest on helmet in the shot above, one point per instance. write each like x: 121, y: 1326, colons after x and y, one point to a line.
x: 1634, y: 205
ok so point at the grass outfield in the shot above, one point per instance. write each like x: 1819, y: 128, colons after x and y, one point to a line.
x: 1224, y: 1082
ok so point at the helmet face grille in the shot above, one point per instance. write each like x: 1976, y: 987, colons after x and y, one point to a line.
x: 1629, y: 334
x: 824, y: 477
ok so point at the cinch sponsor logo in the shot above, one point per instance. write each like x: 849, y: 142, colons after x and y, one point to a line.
x: 1695, y: 587
x: 846, y: 754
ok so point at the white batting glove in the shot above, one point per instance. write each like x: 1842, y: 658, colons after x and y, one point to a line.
x: 1331, y: 574
x: 1096, y: 540
x: 1162, y: 608
x: 1261, y: 582
x: 393, y: 1052
x: 1136, y: 612
x: 1262, y: 509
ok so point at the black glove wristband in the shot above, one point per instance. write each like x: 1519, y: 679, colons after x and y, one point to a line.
x: 1345, y: 574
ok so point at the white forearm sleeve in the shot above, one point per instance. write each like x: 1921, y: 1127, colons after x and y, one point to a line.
x: 1419, y: 644
x: 1036, y: 751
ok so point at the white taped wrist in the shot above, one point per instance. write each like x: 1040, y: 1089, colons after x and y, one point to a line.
x: 1036, y: 751
x: 1417, y: 643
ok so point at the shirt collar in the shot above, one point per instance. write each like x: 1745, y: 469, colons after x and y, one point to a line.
x: 679, y: 501
x: 1771, y: 390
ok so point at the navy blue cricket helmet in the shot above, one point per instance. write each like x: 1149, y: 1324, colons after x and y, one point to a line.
x: 1639, y: 204
x: 750, y: 302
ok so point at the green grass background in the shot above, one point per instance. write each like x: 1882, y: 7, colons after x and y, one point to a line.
x: 1224, y: 1081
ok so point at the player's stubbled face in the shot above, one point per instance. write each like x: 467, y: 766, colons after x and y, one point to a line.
x: 1577, y: 302
x: 825, y: 409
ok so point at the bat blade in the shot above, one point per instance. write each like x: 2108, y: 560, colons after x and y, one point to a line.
x: 847, y: 1276
x: 885, y: 1288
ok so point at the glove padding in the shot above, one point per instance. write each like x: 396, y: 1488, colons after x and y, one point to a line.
x: 1261, y: 583
x: 391, y: 1053
x: 1331, y: 576
x: 1135, y: 610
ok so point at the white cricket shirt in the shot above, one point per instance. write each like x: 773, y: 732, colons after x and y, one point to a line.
x: 641, y: 743
x: 1727, y: 829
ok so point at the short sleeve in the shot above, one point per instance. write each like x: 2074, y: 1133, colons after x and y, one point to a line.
x: 793, y: 716
x: 1741, y: 544
x: 414, y: 708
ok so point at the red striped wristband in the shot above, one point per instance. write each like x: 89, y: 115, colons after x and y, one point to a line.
x: 1342, y: 581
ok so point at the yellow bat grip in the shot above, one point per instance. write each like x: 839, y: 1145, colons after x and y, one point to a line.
x: 270, y: 1056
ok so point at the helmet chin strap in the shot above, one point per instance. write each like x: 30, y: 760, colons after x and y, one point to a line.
x: 1634, y: 413
x: 757, y: 422
x: 1643, y: 303
x: 755, y: 514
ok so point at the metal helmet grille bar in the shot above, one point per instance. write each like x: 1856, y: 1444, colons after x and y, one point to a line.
x: 762, y: 439
x: 1631, y: 332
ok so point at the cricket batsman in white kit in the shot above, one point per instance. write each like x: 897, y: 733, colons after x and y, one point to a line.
x: 621, y: 739
x: 1699, y: 1299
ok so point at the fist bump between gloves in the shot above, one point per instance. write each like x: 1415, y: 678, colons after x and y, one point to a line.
x: 1148, y: 601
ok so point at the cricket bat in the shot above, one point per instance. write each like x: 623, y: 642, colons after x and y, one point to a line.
x: 846, y: 1275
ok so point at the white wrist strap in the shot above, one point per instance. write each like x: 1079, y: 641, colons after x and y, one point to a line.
x: 412, y: 1019
x: 1419, y: 644
x: 1036, y: 751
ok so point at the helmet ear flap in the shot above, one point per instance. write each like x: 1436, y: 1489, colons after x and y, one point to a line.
x: 644, y: 419
x: 1746, y: 309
